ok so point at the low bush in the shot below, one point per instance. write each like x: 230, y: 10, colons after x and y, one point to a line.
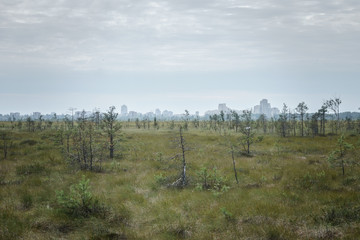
x: 28, y: 169
x: 160, y: 179
x: 311, y: 180
x: 29, y: 142
x: 349, y: 180
x: 211, y: 180
x: 228, y: 215
x: 11, y: 226
x: 26, y: 200
x: 337, y: 215
x: 80, y: 201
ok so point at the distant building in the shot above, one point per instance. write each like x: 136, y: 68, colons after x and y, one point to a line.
x: 81, y: 114
x: 257, y: 109
x: 15, y: 116
x: 77, y: 115
x: 266, y: 109
x: 211, y: 112
x: 158, y: 113
x: 149, y: 115
x: 124, y: 110
x: 224, y: 108
x: 167, y: 114
x: 133, y: 115
x: 275, y: 111
x: 36, y: 115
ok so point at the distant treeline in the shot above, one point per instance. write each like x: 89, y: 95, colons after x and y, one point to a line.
x: 179, y: 117
x: 343, y: 116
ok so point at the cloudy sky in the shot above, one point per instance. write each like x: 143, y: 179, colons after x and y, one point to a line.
x: 177, y: 55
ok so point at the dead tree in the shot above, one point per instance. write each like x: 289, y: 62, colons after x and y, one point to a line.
x: 233, y: 160
x: 72, y: 115
x: 232, y: 145
x: 181, y: 144
x: 322, y: 113
x: 186, y: 119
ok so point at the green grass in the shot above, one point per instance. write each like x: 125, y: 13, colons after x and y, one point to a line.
x: 287, y: 190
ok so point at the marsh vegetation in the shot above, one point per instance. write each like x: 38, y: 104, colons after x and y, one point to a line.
x: 179, y: 180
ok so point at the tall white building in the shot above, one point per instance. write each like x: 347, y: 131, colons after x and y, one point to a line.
x: 36, y: 115
x: 266, y: 109
x: 124, y: 110
x: 132, y: 114
x: 224, y: 108
x: 167, y: 114
x: 15, y: 116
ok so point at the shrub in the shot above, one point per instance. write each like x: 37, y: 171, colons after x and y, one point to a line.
x: 337, y: 215
x: 101, y: 231
x: 29, y: 142
x: 273, y: 233
x: 26, y: 201
x: 159, y: 157
x: 79, y: 202
x: 349, y: 181
x: 35, y: 168
x: 11, y: 226
x: 211, y: 180
x: 228, y: 215
x: 160, y: 179
x: 313, y: 180
x: 338, y: 156
x: 115, y: 166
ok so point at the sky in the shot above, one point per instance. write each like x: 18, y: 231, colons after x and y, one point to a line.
x: 177, y: 55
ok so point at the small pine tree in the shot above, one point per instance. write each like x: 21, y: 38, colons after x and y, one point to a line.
x: 337, y: 157
x: 79, y: 202
x: 111, y: 128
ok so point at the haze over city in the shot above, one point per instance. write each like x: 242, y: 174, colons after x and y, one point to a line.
x: 177, y: 55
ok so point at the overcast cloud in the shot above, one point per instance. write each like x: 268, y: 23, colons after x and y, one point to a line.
x: 188, y: 54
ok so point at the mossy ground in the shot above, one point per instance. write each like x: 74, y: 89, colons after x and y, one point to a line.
x: 286, y: 190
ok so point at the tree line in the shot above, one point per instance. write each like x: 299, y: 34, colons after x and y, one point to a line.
x: 88, y: 140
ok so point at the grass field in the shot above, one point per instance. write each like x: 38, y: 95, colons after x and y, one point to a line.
x: 287, y: 189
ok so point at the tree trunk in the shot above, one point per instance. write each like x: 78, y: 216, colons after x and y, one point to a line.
x: 183, y: 177
x: 302, y: 125
x: 111, y: 146
x: 248, y: 146
x: 91, y: 151
x: 68, y: 143
x: 233, y: 159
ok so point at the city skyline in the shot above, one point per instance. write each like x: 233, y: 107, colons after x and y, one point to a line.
x: 123, y: 110
x: 125, y: 113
